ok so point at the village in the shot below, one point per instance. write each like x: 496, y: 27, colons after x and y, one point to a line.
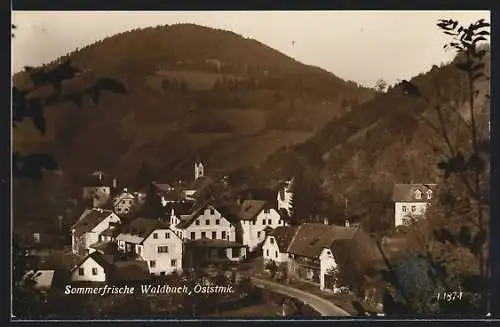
x: 112, y: 242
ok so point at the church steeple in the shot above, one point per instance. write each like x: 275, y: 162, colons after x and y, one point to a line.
x: 199, y: 170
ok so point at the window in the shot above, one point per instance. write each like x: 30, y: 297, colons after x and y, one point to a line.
x: 81, y: 271
x: 269, y: 221
x: 167, y: 235
x: 207, y: 222
x: 162, y: 273
x: 263, y: 221
x: 155, y: 236
x: 235, y: 252
x: 197, y: 223
x: 173, y: 263
x: 267, y: 210
x: 139, y: 249
x: 413, y: 208
x: 203, y: 235
x: 429, y: 194
x: 223, y: 236
x: 214, y: 235
x: 258, y: 234
x: 271, y: 240
x: 403, y: 209
x: 212, y: 211
x: 193, y: 235
x: 94, y: 271
x: 418, y: 194
x: 253, y: 223
x: 163, y: 249
x: 276, y: 254
x: 217, y: 221
x: 152, y: 263
x: 267, y: 252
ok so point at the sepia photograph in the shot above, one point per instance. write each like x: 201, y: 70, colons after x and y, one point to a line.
x: 250, y: 164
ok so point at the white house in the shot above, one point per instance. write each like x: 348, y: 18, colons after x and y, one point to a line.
x: 410, y: 201
x: 124, y: 202
x: 89, y: 227
x: 154, y: 242
x: 256, y: 216
x: 285, y: 196
x: 206, y: 221
x: 275, y: 247
x: 95, y: 267
x: 312, y: 248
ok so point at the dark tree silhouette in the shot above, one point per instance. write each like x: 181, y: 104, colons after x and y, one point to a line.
x: 152, y: 206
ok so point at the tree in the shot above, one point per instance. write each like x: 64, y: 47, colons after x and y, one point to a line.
x: 462, y: 207
x: 28, y: 103
x: 152, y: 206
x: 381, y: 86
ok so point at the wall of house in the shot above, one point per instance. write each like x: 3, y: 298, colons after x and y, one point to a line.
x: 327, y: 262
x: 87, y: 266
x: 93, y: 236
x: 270, y: 251
x: 202, y: 227
x: 253, y: 231
x: 79, y: 244
x: 404, y: 210
x: 124, y: 205
x: 163, y: 262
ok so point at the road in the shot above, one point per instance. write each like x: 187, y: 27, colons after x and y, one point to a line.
x: 324, y: 307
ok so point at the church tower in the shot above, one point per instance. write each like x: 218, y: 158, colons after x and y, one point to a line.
x: 199, y: 170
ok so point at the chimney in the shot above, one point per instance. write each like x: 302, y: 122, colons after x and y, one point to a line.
x: 114, y: 183
x: 325, y: 221
x: 347, y: 223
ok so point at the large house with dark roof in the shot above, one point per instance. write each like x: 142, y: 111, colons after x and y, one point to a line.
x: 90, y: 227
x: 275, y: 246
x: 98, y: 188
x: 255, y: 216
x: 154, y: 242
x: 411, y: 201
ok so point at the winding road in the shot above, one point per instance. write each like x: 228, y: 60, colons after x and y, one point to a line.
x: 324, y: 307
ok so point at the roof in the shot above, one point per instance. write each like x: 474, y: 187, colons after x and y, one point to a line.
x: 140, y: 228
x: 180, y: 208
x: 310, y: 239
x: 90, y: 219
x: 43, y: 278
x: 103, y: 260
x: 209, y: 243
x: 105, y: 247
x: 251, y: 208
x: 406, y: 192
x: 131, y: 270
x: 122, y: 196
x: 283, y: 236
x: 163, y: 187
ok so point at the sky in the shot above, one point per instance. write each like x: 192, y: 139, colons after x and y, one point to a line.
x: 361, y: 46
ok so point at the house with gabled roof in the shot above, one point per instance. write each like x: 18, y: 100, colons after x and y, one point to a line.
x: 89, y: 228
x: 255, y: 216
x: 411, y: 201
x: 95, y: 267
x: 204, y: 222
x: 154, y: 242
x: 313, y: 248
x: 123, y: 202
x: 275, y: 246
